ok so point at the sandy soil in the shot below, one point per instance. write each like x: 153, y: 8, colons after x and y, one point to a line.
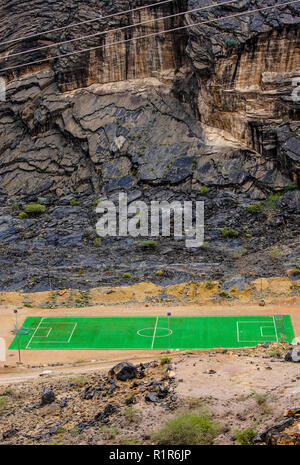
x: 33, y: 361
x: 248, y: 388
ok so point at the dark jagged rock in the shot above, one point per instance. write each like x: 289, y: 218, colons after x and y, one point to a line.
x: 124, y: 371
x: 150, y: 397
x: 266, y: 435
x: 48, y: 396
x: 10, y: 433
x: 103, y: 416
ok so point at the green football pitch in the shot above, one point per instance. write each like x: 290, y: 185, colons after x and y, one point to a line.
x: 144, y: 333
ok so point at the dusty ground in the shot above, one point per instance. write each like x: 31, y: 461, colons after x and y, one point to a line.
x: 241, y: 389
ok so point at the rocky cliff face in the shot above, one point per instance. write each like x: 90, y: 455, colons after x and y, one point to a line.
x: 205, y: 113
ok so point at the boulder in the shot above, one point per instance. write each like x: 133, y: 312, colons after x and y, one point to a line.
x: 48, y: 396
x: 293, y: 355
x: 124, y: 371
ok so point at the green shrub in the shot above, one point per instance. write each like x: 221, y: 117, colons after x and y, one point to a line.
x: 74, y: 203
x: 35, y: 209
x: 230, y: 42
x: 188, y: 429
x: 228, y: 232
x: 204, y: 190
x: 291, y: 187
x: 210, y: 284
x: 23, y: 216
x: 159, y: 273
x: 295, y: 271
x: 148, y: 244
x: 224, y: 295
x: 270, y: 202
x: 126, y: 276
x: 97, y: 242
x: 255, y: 208
x: 275, y: 254
x: 165, y: 360
x: 245, y: 437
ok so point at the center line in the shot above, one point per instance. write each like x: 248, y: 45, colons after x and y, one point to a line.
x: 154, y: 332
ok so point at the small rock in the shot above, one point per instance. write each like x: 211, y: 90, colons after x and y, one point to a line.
x: 48, y: 396
x: 150, y: 397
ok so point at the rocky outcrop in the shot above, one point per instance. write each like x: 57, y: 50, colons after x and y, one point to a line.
x: 247, y: 68
x: 205, y: 113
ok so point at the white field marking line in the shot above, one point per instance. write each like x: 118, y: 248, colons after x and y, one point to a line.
x: 247, y: 322
x: 75, y: 326
x: 56, y: 342
x: 34, y: 332
x: 49, y: 331
x: 265, y: 327
x: 154, y: 332
x: 275, y: 328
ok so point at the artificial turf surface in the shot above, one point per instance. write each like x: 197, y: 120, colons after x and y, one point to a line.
x: 83, y: 333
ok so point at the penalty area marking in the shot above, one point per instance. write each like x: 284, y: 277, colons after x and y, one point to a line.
x: 271, y: 324
x: 50, y: 329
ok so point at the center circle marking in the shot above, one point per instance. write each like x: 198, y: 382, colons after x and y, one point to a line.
x: 168, y: 332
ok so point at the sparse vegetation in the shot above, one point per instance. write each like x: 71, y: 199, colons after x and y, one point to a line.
x: 188, y: 429
x: 148, y: 244
x: 35, y: 209
x: 275, y: 254
x: 79, y: 381
x: 245, y: 437
x: 261, y: 401
x: 224, y: 295
x: 210, y: 284
x: 109, y: 432
x: 204, y: 190
x: 255, y: 208
x: 3, y: 404
x: 132, y: 415
x: 97, y: 241
x: 74, y: 203
x: 270, y: 202
x: 22, y: 215
x: 165, y: 360
x: 126, y: 275
x: 230, y: 42
x: 228, y: 232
